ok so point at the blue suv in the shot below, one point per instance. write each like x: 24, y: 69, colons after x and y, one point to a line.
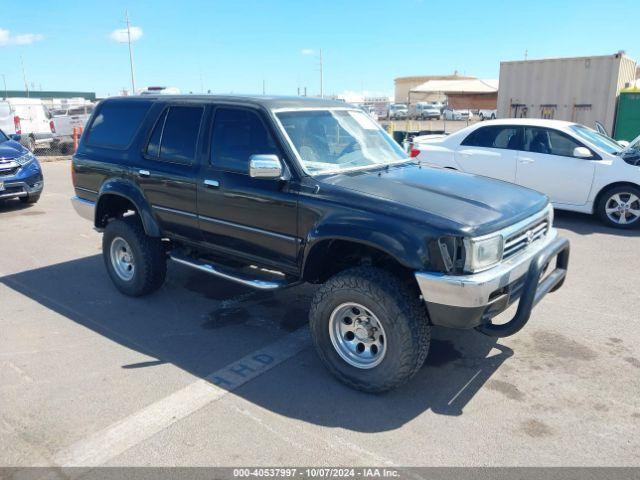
x: 20, y: 172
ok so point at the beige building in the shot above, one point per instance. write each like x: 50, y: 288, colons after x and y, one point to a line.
x: 404, y: 84
x: 473, y: 94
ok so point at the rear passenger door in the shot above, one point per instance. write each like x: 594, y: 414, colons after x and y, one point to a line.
x: 491, y: 151
x: 167, y: 169
x: 248, y: 218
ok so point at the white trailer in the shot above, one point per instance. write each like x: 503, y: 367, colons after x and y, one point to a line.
x: 581, y: 89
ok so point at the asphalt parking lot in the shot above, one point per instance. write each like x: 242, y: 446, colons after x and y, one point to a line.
x: 204, y: 372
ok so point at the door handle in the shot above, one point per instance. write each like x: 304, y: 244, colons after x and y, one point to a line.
x: 144, y: 173
x: 526, y: 160
x: 212, y: 183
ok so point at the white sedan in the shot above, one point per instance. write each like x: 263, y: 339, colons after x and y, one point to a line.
x: 456, y: 114
x: 578, y: 168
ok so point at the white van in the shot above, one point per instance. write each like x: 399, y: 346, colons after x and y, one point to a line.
x: 30, y: 118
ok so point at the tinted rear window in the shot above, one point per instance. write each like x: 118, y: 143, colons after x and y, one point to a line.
x: 116, y: 123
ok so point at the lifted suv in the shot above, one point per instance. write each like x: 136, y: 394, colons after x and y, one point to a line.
x: 270, y: 192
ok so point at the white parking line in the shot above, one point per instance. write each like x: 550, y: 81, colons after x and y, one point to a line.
x: 115, y: 439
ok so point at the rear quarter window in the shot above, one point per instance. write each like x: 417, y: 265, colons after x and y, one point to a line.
x: 116, y: 123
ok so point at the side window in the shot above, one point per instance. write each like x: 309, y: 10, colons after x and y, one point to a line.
x: 507, y: 138
x: 547, y: 141
x: 153, y: 147
x: 494, y: 137
x: 175, y: 134
x: 238, y: 134
x: 116, y: 123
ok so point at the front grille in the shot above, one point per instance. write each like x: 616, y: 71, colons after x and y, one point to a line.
x: 10, y: 190
x: 8, y: 171
x: 520, y: 240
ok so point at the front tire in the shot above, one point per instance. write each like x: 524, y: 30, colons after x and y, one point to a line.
x: 619, y: 207
x: 136, y: 263
x: 369, y: 329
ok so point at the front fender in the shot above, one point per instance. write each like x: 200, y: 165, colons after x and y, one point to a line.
x: 399, y: 240
x: 129, y: 190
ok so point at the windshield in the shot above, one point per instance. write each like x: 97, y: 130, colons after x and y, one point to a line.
x: 601, y: 141
x: 338, y: 140
x: 635, y: 144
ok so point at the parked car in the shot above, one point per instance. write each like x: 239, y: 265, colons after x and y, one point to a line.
x: 398, y: 111
x: 29, y: 118
x: 578, y: 168
x: 68, y: 118
x: 487, y: 114
x: 426, y: 111
x: 370, y: 110
x: 269, y: 192
x: 160, y: 91
x: 456, y: 114
x: 20, y: 173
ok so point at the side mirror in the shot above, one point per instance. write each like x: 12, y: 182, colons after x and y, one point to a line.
x: 265, y: 166
x: 582, y: 152
x: 15, y: 137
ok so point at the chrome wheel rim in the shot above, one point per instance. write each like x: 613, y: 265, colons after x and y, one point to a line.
x: 623, y: 208
x: 122, y: 259
x: 357, y: 335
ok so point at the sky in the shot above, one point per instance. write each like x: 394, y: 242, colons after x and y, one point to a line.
x: 234, y: 46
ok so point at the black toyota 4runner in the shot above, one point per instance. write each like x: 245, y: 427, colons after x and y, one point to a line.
x: 270, y: 192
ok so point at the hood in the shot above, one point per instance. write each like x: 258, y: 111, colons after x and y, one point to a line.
x: 462, y: 202
x: 10, y: 150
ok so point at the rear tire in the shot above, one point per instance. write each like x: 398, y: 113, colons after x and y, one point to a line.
x: 361, y: 303
x: 619, y: 207
x: 137, y: 263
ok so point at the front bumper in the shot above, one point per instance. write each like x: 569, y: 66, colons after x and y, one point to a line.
x: 27, y: 181
x: 471, y: 301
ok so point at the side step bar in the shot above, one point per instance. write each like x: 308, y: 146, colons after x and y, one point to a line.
x: 218, y: 272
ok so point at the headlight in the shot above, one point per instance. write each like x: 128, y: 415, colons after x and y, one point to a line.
x: 482, y: 253
x: 24, y: 159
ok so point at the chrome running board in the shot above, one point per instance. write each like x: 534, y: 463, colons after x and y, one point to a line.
x: 218, y: 272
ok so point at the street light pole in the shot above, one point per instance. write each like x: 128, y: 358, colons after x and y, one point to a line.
x: 4, y: 79
x: 133, y: 79
x: 321, y: 77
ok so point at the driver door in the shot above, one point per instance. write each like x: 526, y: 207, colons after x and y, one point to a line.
x: 248, y: 218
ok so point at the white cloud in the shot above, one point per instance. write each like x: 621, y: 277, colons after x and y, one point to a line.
x: 307, y: 51
x: 120, y: 35
x: 7, y: 39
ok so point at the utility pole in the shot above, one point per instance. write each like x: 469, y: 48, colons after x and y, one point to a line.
x: 24, y: 76
x: 526, y: 54
x: 4, y: 79
x: 263, y: 87
x: 321, y: 77
x: 133, y: 78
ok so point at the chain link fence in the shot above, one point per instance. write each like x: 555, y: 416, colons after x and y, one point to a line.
x: 49, y: 129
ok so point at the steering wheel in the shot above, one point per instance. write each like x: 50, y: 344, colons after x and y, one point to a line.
x: 350, y: 147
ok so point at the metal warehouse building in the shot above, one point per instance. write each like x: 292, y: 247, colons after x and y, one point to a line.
x: 580, y: 89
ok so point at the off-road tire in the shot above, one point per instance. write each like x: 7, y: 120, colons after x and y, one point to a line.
x: 149, y: 257
x: 401, y: 313
x: 602, y: 202
x: 30, y: 198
